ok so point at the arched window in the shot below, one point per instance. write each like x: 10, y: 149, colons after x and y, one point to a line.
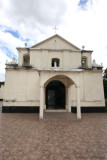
x: 26, y: 60
x: 55, y: 62
x: 84, y: 62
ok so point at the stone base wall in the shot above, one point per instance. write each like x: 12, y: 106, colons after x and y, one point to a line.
x: 35, y: 109
x: 14, y: 109
x: 89, y: 109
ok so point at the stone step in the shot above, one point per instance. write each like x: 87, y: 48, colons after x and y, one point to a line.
x: 55, y: 110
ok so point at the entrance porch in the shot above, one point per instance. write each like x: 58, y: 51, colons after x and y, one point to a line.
x: 55, y: 95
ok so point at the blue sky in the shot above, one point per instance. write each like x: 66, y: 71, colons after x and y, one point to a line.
x: 81, y: 22
x: 13, y: 33
x: 16, y: 34
x: 83, y: 4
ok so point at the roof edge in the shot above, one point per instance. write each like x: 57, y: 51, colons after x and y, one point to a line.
x: 53, y: 37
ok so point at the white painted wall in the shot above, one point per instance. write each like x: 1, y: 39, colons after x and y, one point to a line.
x: 41, y: 55
x: 23, y: 86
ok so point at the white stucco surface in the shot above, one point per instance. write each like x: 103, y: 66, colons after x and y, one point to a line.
x: 84, y: 86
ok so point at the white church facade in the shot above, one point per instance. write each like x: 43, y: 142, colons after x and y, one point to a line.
x: 53, y: 75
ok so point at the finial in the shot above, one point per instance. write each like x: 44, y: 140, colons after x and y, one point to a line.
x: 25, y: 44
x: 55, y: 29
x: 83, y: 47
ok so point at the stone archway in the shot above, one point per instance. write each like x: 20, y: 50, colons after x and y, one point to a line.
x: 45, y: 79
x: 55, y: 95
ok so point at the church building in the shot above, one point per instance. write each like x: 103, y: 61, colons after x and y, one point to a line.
x: 53, y: 75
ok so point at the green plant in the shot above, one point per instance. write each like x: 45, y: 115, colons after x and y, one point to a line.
x: 105, y: 87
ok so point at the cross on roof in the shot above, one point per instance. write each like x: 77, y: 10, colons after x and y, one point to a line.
x: 55, y: 28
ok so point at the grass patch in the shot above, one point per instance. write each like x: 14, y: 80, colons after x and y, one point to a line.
x: 106, y: 104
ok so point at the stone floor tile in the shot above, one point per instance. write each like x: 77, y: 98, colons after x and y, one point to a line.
x: 59, y: 136
x: 5, y: 157
x: 19, y: 157
x: 35, y: 157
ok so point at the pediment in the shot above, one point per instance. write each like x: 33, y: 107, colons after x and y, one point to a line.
x: 55, y: 42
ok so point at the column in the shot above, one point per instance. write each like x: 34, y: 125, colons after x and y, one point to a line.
x: 78, y: 103
x: 41, y: 102
x: 69, y: 99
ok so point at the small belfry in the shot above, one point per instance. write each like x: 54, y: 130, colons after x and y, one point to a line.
x: 56, y: 78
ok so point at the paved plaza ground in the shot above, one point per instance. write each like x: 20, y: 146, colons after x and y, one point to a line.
x: 60, y: 136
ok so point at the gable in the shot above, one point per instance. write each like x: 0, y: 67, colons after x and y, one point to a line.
x: 55, y: 42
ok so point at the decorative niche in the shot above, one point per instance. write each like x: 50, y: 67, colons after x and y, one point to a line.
x: 26, y: 60
x: 84, y: 62
x: 55, y: 62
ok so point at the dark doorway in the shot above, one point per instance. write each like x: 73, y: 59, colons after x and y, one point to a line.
x: 55, y: 95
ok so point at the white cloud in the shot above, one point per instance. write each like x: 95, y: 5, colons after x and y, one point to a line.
x: 10, y: 42
x: 32, y: 18
x: 3, y: 59
x: 88, y: 27
x: 35, y: 19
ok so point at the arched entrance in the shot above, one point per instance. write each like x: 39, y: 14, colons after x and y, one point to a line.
x: 55, y: 95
